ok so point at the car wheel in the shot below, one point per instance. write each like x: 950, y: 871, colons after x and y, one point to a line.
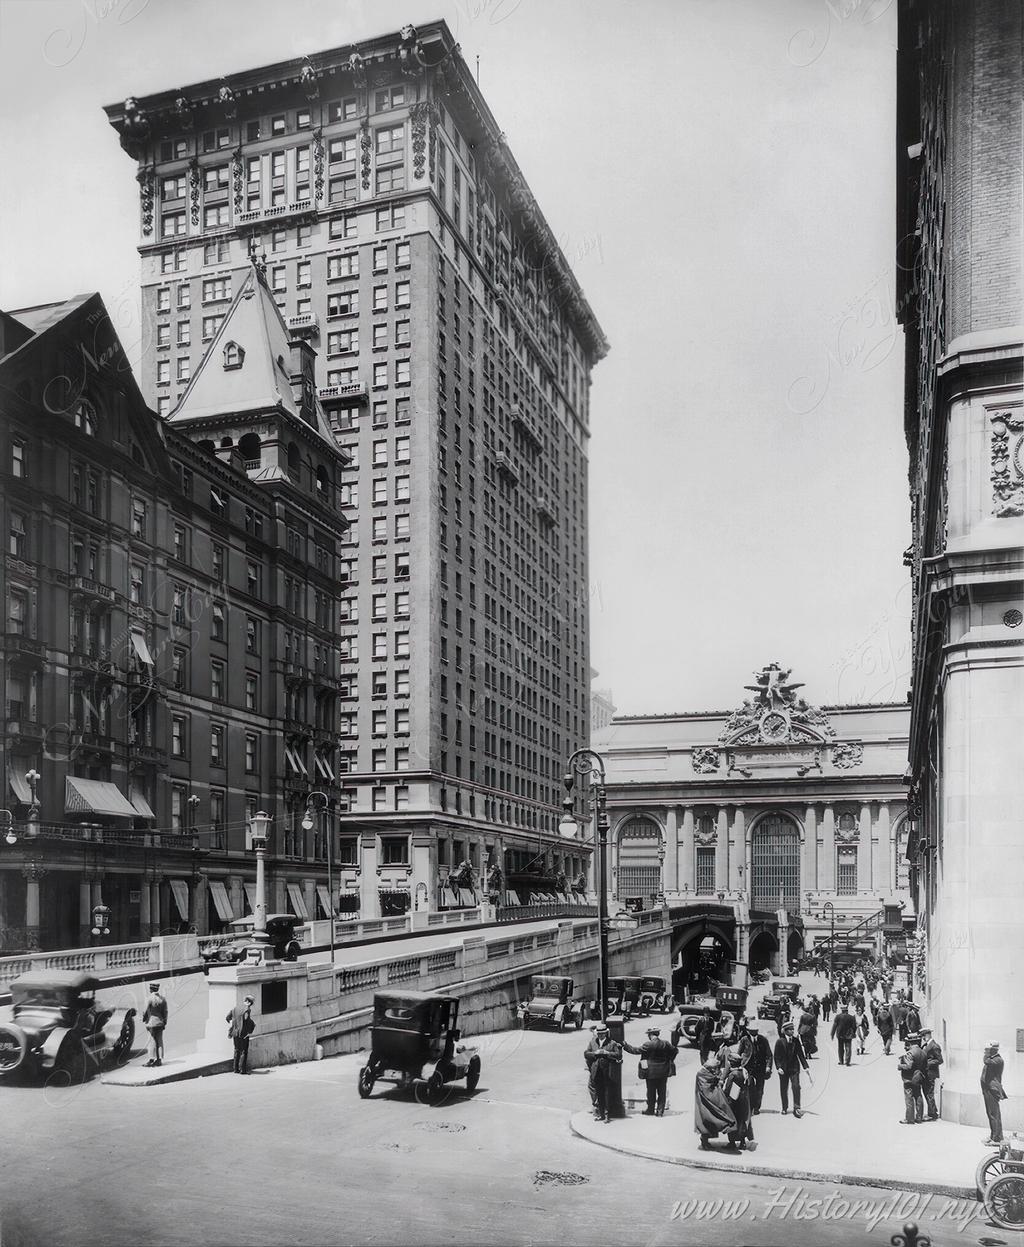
x: 70, y: 1064
x: 579, y: 1020
x: 122, y: 1048
x: 13, y: 1047
x: 1004, y: 1201
x: 988, y: 1170
x: 473, y: 1074
x: 365, y: 1083
x: 292, y: 951
x: 435, y: 1087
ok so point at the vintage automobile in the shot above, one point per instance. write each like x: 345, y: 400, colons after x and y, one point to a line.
x: 623, y: 996
x: 776, y: 1006
x: 728, y: 1000
x: 232, y: 949
x: 551, y: 1004
x: 1000, y: 1178
x: 59, y: 1028
x: 654, y: 997
x: 415, y: 1042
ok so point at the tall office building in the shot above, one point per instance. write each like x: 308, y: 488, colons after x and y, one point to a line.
x: 453, y: 356
x: 960, y: 296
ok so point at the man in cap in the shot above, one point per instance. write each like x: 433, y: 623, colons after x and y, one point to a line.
x: 240, y: 1027
x: 992, y: 1092
x: 601, y: 1056
x: 759, y: 1063
x: 912, y: 1069
x: 932, y: 1060
x: 656, y: 1068
x: 844, y: 1027
x: 154, y: 1019
x: 789, y: 1057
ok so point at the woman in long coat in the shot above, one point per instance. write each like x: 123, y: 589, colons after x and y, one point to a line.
x: 736, y: 1089
x: 712, y: 1114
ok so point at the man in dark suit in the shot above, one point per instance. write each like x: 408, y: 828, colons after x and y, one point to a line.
x: 912, y: 1071
x: 240, y: 1027
x: 759, y: 1064
x: 602, y: 1054
x: 705, y: 1035
x: 992, y: 1092
x: 789, y: 1057
x: 656, y: 1057
x: 932, y: 1060
x: 844, y: 1027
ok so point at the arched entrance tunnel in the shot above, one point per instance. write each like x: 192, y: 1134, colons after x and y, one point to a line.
x: 763, y: 948
x: 701, y: 952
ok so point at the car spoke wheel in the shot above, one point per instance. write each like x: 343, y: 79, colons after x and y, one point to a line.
x: 71, y: 1063
x: 988, y: 1170
x: 1004, y: 1201
x: 435, y: 1087
x: 365, y: 1082
x: 13, y: 1046
x: 473, y: 1074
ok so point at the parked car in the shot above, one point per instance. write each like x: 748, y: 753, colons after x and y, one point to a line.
x: 551, y: 1003
x: 280, y: 931
x: 415, y: 1040
x: 623, y: 996
x: 731, y: 1000
x: 654, y: 996
x: 59, y: 1027
x: 777, y: 1005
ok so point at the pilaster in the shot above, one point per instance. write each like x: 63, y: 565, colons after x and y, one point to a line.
x: 687, y: 853
x: 722, y: 850
x: 670, y: 878
x: 865, y: 878
x: 828, y: 849
x: 737, y: 850
x: 810, y: 881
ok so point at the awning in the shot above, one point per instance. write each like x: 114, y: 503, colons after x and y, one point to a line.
x: 141, y: 648
x: 19, y: 786
x: 250, y: 896
x: 93, y: 796
x: 323, y: 766
x: 467, y: 898
x: 142, y: 806
x: 179, y: 890
x: 324, y: 897
x: 298, y: 900
x: 220, y: 900
x: 511, y: 897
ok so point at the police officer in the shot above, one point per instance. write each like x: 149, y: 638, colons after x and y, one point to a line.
x: 602, y: 1054
x: 656, y: 1057
x: 932, y: 1060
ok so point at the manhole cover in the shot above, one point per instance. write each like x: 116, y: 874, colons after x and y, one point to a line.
x: 453, y: 1127
x: 545, y: 1176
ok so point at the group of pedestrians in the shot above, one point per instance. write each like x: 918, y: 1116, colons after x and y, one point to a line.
x: 239, y: 1019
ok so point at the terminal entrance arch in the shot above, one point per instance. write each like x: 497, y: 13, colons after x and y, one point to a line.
x: 639, y: 865
x: 775, y: 864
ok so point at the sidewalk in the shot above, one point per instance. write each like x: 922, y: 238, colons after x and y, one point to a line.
x: 848, y: 1133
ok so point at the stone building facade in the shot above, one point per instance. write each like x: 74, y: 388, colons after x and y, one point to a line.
x: 960, y: 293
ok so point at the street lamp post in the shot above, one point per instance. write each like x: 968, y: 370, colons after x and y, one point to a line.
x: 832, y: 942
x: 259, y: 830
x: 193, y: 803
x: 587, y: 763
x: 317, y: 802
x: 11, y: 836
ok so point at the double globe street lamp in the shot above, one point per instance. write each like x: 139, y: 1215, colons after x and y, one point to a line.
x: 316, y: 803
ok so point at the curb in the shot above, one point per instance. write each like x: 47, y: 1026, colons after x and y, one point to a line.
x: 139, y: 1076
x: 774, y: 1171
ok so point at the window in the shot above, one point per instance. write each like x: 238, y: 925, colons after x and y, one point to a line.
x: 181, y: 543
x: 344, y: 265
x: 401, y: 796
x: 218, y: 621
x: 215, y: 178
x: 402, y: 372
x: 177, y: 809
x: 401, y: 526
x: 218, y: 682
x: 343, y: 303
x: 139, y: 518
x: 402, y: 566
x: 216, y: 215
x: 17, y: 612
x: 253, y: 578
x: 18, y: 542
x: 279, y: 278
x: 304, y: 274
x: 216, y: 289
x: 390, y: 139
x: 389, y: 97
x: 217, y: 819
x: 184, y: 333
x: 277, y: 125
x: 163, y: 335
x: 303, y: 235
x: 380, y: 376
x: 846, y: 870
x: 217, y: 560
x: 184, y: 368
x: 252, y: 635
x: 402, y: 294
x: 389, y: 179
x: 401, y: 255
x: 217, y: 731
x: 252, y: 753
x: 136, y: 583
x: 179, y: 669
x: 252, y: 691
x: 173, y: 225
x: 173, y: 187
x: 342, y: 110
x: 210, y: 326
x: 380, y: 606
x: 402, y: 721
x: 344, y: 226
x: 402, y: 450
x: 178, y: 605
x: 401, y: 684
x: 380, y: 259
x: 216, y: 252
x: 402, y: 758
x: 391, y: 217
x: 178, y: 748
x: 705, y: 871
x: 403, y: 335
x: 253, y: 522
x: 380, y: 298
x: 214, y: 139
x: 380, y: 645
x: 343, y: 341
x: 394, y: 850
x: 163, y: 372
x: 184, y: 296
x: 342, y: 190
x: 380, y: 723
x: 218, y: 503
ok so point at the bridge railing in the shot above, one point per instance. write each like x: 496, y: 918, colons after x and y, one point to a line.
x: 552, y: 909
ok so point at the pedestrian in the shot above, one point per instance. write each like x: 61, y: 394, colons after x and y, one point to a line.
x: 657, y: 1065
x: 932, y: 1060
x: 844, y: 1027
x: 154, y: 1019
x: 760, y: 1066
x: 912, y: 1068
x: 899, y: 1016
x: 737, y: 1091
x: 884, y: 1023
x: 603, y: 1054
x: 807, y: 1031
x: 886, y: 988
x: 712, y: 1113
x: 826, y: 1006
x: 863, y: 1027
x: 833, y: 997
x: 240, y: 1027
x: 992, y: 1092
x: 913, y: 1018
x: 705, y: 1035
x: 789, y: 1057
x: 859, y: 1003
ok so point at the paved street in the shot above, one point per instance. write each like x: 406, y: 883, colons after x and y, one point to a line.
x: 293, y: 1155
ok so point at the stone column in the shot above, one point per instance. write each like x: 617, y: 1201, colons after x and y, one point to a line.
x: 827, y: 868
x: 722, y: 850
x: 369, y: 897
x: 688, y: 861
x: 882, y: 876
x: 236, y: 895
x: 670, y: 877
x: 155, y: 920
x: 810, y: 882
x: 33, y: 874
x: 738, y: 882
x: 865, y: 879
x: 85, y: 912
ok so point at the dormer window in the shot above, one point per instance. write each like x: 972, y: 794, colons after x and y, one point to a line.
x: 233, y: 355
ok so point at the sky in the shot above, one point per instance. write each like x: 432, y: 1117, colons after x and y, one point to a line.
x: 719, y: 174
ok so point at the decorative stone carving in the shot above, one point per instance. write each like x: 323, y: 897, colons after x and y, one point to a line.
x: 193, y: 182
x: 847, y: 755
x: 1008, y: 463
x: 706, y: 834
x: 318, y: 164
x: 847, y: 835
x: 183, y: 112
x: 365, y: 144
x: 145, y: 179
x: 775, y: 715
x: 308, y: 80
x: 227, y: 101
x: 706, y: 759
x: 422, y: 115
x: 358, y: 71
x: 136, y: 127
x: 237, y: 175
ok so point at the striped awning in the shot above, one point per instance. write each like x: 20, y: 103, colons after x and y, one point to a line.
x: 93, y: 796
x: 324, y: 897
x: 179, y: 890
x: 298, y: 900
x: 467, y: 898
x: 19, y: 786
x: 250, y: 896
x: 221, y: 901
x: 142, y: 806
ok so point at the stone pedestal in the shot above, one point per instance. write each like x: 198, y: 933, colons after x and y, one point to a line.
x: 284, y: 1027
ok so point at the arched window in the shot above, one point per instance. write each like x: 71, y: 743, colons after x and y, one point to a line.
x: 234, y: 355
x: 321, y: 482
x: 85, y: 417
x: 639, y: 869
x: 251, y: 450
x: 206, y: 445
x: 775, y: 864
